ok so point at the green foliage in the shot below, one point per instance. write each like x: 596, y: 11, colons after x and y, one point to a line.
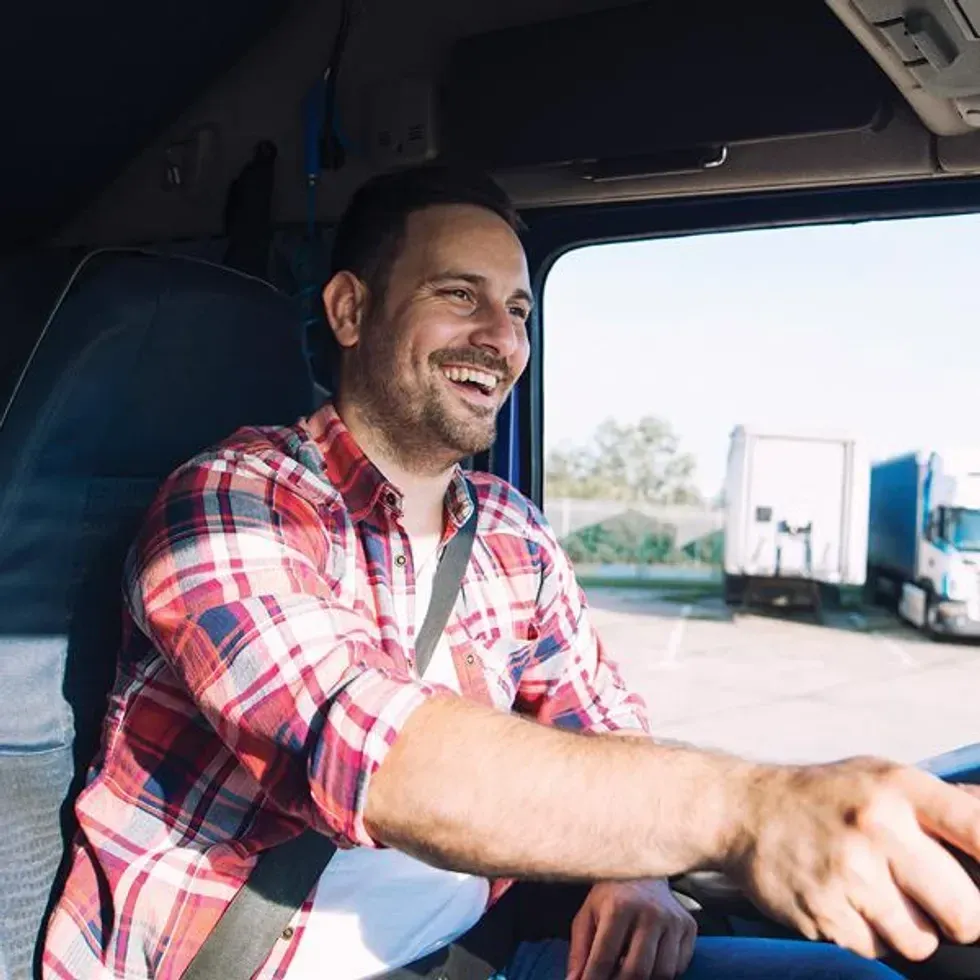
x: 629, y: 538
x: 709, y: 550
x: 638, y: 462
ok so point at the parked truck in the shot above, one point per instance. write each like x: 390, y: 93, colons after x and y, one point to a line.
x: 924, y: 539
x: 796, y: 523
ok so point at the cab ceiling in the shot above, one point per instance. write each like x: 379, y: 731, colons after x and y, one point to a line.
x: 98, y: 110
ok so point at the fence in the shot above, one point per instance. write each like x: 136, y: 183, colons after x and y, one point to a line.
x: 691, y: 523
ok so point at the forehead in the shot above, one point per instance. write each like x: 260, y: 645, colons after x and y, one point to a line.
x: 465, y: 238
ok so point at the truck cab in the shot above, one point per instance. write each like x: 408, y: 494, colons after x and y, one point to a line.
x: 924, y: 541
x: 171, y: 176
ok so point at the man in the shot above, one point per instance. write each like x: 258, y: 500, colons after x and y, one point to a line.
x: 268, y: 685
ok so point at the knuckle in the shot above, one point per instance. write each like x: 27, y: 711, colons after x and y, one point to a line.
x: 877, y: 813
x: 854, y: 858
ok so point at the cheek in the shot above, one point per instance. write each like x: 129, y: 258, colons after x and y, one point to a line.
x: 520, y: 359
x: 431, y: 339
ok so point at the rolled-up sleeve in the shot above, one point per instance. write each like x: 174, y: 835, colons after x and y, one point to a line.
x: 234, y: 581
x: 571, y: 681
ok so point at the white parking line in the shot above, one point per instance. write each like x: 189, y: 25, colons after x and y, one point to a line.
x: 669, y: 661
x: 896, y: 649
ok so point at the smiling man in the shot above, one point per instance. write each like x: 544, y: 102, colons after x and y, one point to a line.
x: 269, y: 685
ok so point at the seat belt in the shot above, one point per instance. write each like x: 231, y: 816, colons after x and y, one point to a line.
x: 284, y: 876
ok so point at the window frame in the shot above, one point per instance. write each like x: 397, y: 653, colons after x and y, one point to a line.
x: 554, y: 232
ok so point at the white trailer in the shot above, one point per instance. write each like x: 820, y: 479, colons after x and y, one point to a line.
x: 796, y: 513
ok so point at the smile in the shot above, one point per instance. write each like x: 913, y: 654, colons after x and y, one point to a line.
x: 472, y: 378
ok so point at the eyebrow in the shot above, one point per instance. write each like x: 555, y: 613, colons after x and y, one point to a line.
x: 475, y: 279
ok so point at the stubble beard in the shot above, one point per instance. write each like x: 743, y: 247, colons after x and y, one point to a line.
x: 418, y: 427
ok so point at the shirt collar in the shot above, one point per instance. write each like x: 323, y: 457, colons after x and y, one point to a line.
x: 363, y: 486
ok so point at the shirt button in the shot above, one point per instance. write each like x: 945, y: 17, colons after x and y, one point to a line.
x: 391, y: 499
x: 287, y: 933
x: 399, y: 560
x: 470, y: 659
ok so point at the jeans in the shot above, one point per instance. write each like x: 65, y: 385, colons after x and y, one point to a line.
x: 722, y: 958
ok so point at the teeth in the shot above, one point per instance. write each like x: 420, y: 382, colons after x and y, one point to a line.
x: 486, y: 381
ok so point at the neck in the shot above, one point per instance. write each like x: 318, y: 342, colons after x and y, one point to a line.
x: 423, y: 490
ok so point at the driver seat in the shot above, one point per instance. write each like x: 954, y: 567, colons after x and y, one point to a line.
x: 125, y: 364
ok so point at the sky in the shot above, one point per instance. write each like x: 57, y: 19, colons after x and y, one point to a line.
x: 867, y: 329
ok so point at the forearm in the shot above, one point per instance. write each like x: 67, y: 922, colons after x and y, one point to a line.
x: 478, y: 790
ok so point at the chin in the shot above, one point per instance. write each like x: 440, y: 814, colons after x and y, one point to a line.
x: 468, y: 440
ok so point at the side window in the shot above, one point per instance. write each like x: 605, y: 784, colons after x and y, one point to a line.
x: 734, y: 429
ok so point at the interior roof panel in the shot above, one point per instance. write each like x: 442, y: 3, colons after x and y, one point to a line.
x: 85, y: 86
x: 111, y: 185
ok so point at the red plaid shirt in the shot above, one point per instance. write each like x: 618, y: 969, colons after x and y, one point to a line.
x: 267, y: 669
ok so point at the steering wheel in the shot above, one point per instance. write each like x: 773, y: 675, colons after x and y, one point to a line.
x: 718, y: 898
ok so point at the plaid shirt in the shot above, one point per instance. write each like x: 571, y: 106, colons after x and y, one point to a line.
x: 267, y: 668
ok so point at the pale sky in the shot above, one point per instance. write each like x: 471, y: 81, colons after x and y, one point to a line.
x: 869, y: 329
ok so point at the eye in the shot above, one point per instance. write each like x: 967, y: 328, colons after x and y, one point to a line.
x: 521, y: 312
x: 458, y: 292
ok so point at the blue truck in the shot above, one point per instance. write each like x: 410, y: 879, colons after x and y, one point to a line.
x: 924, y: 539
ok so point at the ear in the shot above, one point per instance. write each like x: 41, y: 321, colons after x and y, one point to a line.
x: 345, y: 299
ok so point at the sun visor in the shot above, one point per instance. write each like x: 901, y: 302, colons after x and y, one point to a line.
x: 657, y: 81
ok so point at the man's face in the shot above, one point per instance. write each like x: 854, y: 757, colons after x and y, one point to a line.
x: 435, y: 360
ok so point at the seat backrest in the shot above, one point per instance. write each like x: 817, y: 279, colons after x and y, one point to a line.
x: 138, y: 362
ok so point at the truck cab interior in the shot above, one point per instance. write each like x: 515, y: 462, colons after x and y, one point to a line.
x: 170, y: 176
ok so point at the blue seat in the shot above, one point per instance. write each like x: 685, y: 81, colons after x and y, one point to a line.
x: 116, y: 369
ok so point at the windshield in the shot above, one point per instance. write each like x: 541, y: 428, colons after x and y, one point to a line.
x: 963, y: 529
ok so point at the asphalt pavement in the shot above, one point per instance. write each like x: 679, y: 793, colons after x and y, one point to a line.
x: 780, y: 685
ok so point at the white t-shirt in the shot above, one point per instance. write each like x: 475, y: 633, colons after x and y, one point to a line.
x: 376, y: 910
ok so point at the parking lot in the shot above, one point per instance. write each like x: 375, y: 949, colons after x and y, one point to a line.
x: 784, y: 687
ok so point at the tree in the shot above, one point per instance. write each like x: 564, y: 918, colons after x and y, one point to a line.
x: 639, y: 462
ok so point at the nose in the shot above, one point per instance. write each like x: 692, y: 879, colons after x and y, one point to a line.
x: 498, y: 330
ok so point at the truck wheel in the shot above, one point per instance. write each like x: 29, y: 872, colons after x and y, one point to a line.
x: 734, y: 590
x: 885, y: 592
x: 928, y: 629
x: 830, y: 597
x: 872, y: 590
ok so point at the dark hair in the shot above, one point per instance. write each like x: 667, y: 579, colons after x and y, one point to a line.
x: 371, y: 230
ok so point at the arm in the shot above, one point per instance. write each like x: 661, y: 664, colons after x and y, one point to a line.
x: 507, y: 796
x: 239, y: 581
x: 475, y: 789
x: 849, y: 852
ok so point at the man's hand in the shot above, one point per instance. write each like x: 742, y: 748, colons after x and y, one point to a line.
x: 631, y: 930
x: 853, y: 853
